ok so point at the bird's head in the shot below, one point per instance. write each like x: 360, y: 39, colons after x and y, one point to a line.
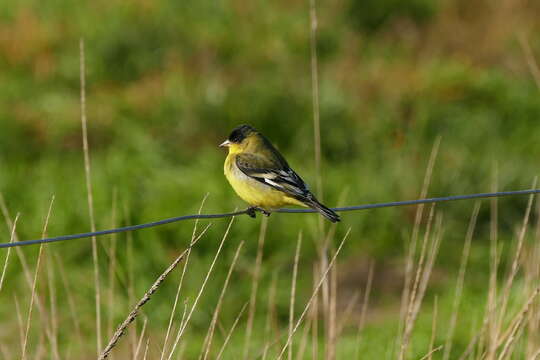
x: 240, y: 139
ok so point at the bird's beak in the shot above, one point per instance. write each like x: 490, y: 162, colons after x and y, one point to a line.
x: 226, y: 143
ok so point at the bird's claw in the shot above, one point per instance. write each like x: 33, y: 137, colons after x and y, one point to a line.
x: 251, y: 211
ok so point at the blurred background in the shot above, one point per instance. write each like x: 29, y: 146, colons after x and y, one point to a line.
x: 166, y: 83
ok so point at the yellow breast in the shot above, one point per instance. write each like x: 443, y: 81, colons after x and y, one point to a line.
x: 252, y: 191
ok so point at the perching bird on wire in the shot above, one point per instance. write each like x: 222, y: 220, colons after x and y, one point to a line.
x: 261, y: 176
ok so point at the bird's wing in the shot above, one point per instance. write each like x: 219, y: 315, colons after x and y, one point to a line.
x: 273, y: 173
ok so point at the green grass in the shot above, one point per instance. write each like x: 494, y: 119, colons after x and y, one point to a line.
x: 166, y: 83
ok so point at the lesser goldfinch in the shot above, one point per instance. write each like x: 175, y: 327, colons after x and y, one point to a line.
x: 261, y: 176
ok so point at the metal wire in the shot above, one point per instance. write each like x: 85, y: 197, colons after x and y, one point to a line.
x: 289, y: 211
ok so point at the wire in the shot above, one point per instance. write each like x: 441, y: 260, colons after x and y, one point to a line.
x: 294, y: 211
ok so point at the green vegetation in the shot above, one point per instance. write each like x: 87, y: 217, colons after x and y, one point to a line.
x: 168, y: 80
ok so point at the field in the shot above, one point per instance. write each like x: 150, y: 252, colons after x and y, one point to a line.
x: 401, y: 100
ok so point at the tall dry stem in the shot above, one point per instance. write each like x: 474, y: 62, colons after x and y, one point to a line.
x: 409, y: 262
x: 231, y: 331
x: 179, y: 287
x: 34, y: 286
x: 89, y: 192
x: 6, y: 261
x: 254, y: 287
x: 293, y: 292
x: 210, y: 334
x: 460, y: 281
x: 203, y: 285
x: 133, y: 314
x: 313, y: 295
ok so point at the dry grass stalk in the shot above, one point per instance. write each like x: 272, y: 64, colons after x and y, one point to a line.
x: 293, y: 292
x: 186, y: 322
x: 6, y: 261
x: 179, y: 287
x: 409, y: 262
x: 19, y: 319
x: 315, y: 98
x: 430, y: 354
x: 519, y: 316
x: 460, y: 280
x: 515, y: 262
x: 69, y: 296
x: 419, y: 269
x: 14, y: 238
x: 112, y: 267
x: 332, y: 319
x: 210, y: 334
x: 133, y: 314
x: 307, y: 327
x: 433, y: 329
x: 314, y: 294
x: 51, y: 284
x: 421, y: 280
x: 20, y: 253
x: 432, y: 255
x: 254, y: 287
x: 495, y: 339
x: 26, y: 270
x: 529, y: 57
x: 229, y: 334
x: 90, y: 198
x: 130, y: 276
x: 494, y: 265
x: 141, y: 337
x: 363, y: 311
x: 315, y: 318
x: 270, y: 314
x: 346, y: 316
x: 516, y: 324
x: 34, y: 285
x: 146, y: 349
x: 532, y: 277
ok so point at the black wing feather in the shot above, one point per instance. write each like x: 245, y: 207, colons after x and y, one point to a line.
x: 274, y: 174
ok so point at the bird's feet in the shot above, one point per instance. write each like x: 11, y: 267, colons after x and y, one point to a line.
x: 251, y: 211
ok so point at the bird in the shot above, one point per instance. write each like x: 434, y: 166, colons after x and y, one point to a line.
x: 261, y: 176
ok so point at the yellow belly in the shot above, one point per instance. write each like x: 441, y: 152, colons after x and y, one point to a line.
x: 254, y: 192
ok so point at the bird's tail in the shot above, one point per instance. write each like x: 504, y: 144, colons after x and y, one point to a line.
x: 330, y: 214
